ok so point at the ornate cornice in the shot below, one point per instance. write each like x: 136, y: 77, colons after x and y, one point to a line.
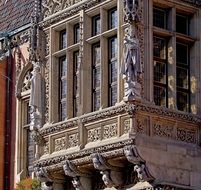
x: 67, y: 12
x: 129, y: 108
x: 83, y: 156
x: 193, y: 2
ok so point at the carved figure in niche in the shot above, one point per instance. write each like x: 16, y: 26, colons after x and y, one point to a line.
x: 141, y: 174
x: 35, y: 97
x: 131, y: 66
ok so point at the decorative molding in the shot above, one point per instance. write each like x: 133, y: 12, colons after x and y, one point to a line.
x: 67, y: 12
x: 83, y: 156
x: 126, y: 126
x: 131, y: 109
x: 163, y: 130
x: 186, y: 135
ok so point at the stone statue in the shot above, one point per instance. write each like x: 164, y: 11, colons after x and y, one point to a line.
x: 36, y: 91
x: 35, y: 101
x: 131, y: 64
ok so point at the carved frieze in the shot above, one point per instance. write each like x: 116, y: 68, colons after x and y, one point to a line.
x: 110, y: 131
x: 60, y: 144
x: 27, y: 81
x: 46, y: 148
x: 186, y: 135
x: 72, y: 140
x: 163, y: 130
x: 126, y: 126
x: 94, y: 135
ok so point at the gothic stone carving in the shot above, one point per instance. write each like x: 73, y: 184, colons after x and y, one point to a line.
x: 131, y: 66
x: 111, y: 176
x: 80, y: 180
x: 140, y: 168
x: 60, y: 144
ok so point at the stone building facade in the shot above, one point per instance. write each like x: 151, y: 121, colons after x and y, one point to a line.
x: 109, y: 97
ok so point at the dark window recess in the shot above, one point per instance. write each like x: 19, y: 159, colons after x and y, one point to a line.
x: 63, y: 40
x: 96, y: 77
x: 182, y: 22
x: 112, y: 22
x: 112, y: 70
x: 160, y: 47
x: 62, y: 87
x: 75, y: 83
x: 160, y: 18
x: 183, y: 77
x: 76, y: 33
x: 160, y: 95
x: 96, y: 25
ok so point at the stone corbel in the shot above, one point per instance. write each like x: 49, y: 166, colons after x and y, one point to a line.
x: 81, y: 181
x: 111, y: 175
x: 140, y: 168
x: 42, y: 176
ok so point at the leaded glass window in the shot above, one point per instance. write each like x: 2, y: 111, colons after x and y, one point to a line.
x: 76, y: 33
x: 160, y: 71
x: 96, y: 25
x: 75, y: 83
x: 112, y: 70
x: 62, y: 87
x: 182, y: 69
x: 160, y: 18
x: 96, y: 77
x: 112, y: 23
x: 63, y: 39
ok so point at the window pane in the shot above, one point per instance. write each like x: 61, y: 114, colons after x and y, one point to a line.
x: 96, y: 25
x: 63, y: 86
x: 96, y: 100
x: 76, y: 33
x: 159, y: 47
x: 63, y: 66
x: 96, y: 77
x: 182, y: 77
x: 160, y: 72
x: 182, y: 24
x: 159, y: 18
x: 63, y: 113
x: 160, y: 95
x: 63, y: 39
x: 182, y: 54
x: 182, y: 101
x: 96, y: 54
x: 113, y: 95
x: 113, y: 18
x: 113, y: 48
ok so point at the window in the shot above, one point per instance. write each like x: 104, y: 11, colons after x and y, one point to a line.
x: 76, y: 33
x: 63, y: 40
x: 112, y: 71
x: 183, y: 90
x: 112, y: 23
x: 160, y: 18
x: 96, y: 25
x: 160, y: 71
x: 75, y: 82
x: 182, y: 24
x: 62, y: 87
x: 96, y: 76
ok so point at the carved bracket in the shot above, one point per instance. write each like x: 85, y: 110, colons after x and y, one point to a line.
x: 111, y: 176
x: 81, y: 181
x: 140, y: 168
